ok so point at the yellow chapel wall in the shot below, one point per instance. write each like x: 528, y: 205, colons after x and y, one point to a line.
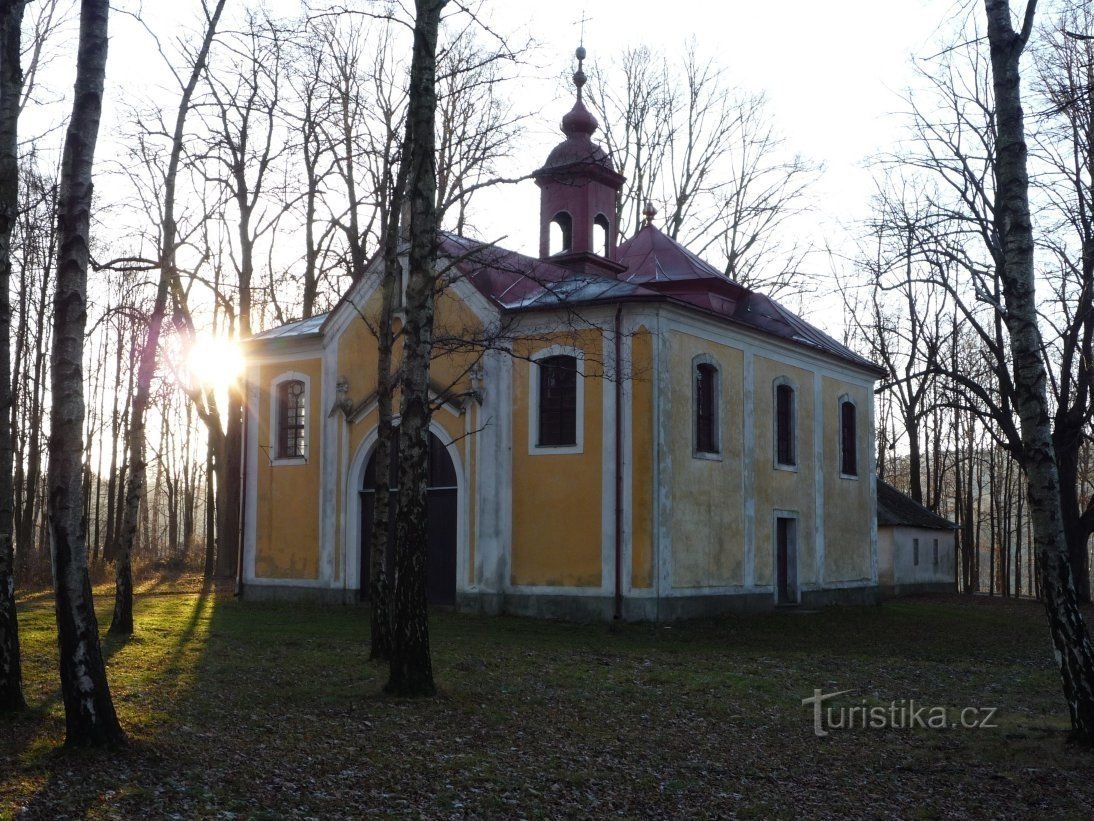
x: 707, y: 508
x: 357, y: 359
x: 847, y: 501
x: 642, y: 444
x: 557, y: 512
x: 287, y: 510
x: 792, y: 490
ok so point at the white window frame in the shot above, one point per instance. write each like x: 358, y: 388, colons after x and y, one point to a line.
x: 790, y: 383
x: 839, y: 437
x: 275, y: 418
x: 716, y: 455
x: 534, y: 448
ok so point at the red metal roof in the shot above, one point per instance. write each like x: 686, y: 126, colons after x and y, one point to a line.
x: 658, y: 269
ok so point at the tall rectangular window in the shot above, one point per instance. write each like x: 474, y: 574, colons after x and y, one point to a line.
x: 291, y: 418
x: 706, y: 409
x: 915, y: 552
x: 784, y: 425
x: 936, y: 552
x: 557, y: 401
x: 848, y: 440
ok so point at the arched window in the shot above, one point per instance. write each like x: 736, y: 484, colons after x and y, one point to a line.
x: 706, y: 409
x: 291, y: 419
x: 600, y: 235
x: 562, y: 233
x: 848, y: 438
x: 557, y: 401
x: 785, y: 433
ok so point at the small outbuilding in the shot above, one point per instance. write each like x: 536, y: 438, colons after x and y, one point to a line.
x: 915, y: 546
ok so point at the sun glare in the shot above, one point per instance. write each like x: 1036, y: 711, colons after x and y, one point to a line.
x: 213, y: 362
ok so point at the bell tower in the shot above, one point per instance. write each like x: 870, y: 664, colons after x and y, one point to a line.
x: 578, y: 190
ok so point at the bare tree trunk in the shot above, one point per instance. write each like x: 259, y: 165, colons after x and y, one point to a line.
x: 112, y: 482
x: 1074, y: 652
x: 11, y: 85
x: 379, y: 591
x: 89, y: 710
x: 411, y: 670
x: 210, y: 510
x: 122, y: 622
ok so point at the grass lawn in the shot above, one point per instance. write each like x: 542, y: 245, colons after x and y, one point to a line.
x: 268, y: 711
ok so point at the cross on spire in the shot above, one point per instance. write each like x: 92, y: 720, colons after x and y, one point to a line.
x: 584, y: 19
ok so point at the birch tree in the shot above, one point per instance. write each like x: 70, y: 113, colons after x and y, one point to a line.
x: 89, y: 711
x: 411, y: 667
x: 1071, y: 643
x: 11, y: 86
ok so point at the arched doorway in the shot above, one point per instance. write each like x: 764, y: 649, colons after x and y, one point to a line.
x: 440, y: 568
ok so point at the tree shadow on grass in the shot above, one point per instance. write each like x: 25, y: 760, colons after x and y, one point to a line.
x: 143, y: 671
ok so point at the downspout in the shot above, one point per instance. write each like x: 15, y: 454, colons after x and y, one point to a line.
x: 242, y: 496
x: 618, y: 375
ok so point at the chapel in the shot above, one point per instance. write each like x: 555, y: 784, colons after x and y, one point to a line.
x: 642, y: 438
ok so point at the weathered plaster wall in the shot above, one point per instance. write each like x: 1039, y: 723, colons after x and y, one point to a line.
x: 287, y: 517
x: 791, y: 490
x: 847, y: 509
x: 642, y: 478
x: 707, y: 507
x: 899, y: 554
x: 557, y: 503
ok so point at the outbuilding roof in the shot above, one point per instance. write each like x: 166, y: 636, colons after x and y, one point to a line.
x: 895, y: 509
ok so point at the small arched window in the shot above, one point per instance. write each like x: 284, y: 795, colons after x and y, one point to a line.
x: 848, y: 463
x: 557, y: 401
x: 601, y: 231
x: 562, y: 233
x: 706, y: 408
x: 291, y: 419
x: 785, y: 445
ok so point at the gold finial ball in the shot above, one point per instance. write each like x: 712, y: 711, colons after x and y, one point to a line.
x: 580, y: 52
x: 649, y: 213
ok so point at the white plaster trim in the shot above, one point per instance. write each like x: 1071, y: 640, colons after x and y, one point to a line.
x: 819, y: 545
x: 719, y: 405
x: 552, y: 590
x: 748, y: 469
x: 871, y: 457
x: 627, y: 438
x: 533, y: 402
x: 504, y: 449
x: 275, y: 418
x: 250, y: 537
x: 724, y: 590
x: 658, y: 494
x: 328, y: 456
x: 846, y: 397
x: 795, y: 451
x: 607, y: 465
x: 288, y: 350
x: 286, y: 581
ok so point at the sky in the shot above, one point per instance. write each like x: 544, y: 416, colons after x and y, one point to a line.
x: 833, y: 74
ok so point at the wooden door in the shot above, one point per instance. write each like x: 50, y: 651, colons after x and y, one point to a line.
x: 442, y: 513
x: 782, y: 559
